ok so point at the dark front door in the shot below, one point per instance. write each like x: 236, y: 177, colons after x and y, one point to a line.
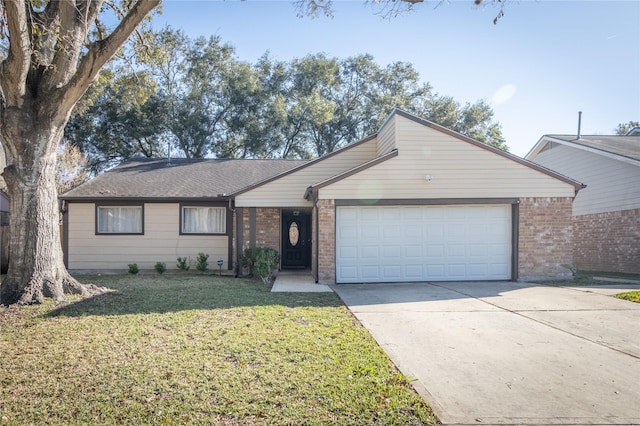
x: 296, y: 239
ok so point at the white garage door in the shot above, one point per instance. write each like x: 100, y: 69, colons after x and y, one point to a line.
x: 423, y: 243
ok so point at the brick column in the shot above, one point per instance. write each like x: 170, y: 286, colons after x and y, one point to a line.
x: 545, y: 238
x: 327, y: 241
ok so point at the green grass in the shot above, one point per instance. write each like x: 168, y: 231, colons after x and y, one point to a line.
x: 632, y: 296
x: 186, y: 349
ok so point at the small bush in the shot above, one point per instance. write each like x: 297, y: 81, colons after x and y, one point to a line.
x: 133, y: 268
x: 261, y: 261
x: 160, y: 267
x: 183, y: 264
x: 201, y: 262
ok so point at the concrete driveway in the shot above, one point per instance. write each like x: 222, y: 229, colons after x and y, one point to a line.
x: 509, y: 353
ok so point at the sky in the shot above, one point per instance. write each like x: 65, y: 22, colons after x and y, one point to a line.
x: 542, y: 63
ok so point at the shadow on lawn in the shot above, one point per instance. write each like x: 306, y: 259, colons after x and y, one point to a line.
x: 174, y: 293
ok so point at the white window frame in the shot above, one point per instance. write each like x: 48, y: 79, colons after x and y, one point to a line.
x: 213, y: 222
x: 119, y: 226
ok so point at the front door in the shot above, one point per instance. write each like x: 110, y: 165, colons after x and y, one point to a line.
x: 296, y: 239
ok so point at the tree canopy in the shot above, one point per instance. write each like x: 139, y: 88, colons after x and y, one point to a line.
x: 624, y: 128
x: 197, y: 99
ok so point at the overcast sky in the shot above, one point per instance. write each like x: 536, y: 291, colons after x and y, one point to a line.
x: 542, y: 63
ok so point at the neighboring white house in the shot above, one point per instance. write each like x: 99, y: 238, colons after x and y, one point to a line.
x: 607, y: 212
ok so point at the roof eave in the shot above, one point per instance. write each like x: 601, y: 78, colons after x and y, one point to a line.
x: 93, y: 199
x: 573, y: 144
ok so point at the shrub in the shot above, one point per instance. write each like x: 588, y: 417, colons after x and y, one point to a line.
x: 160, y: 267
x: 183, y: 263
x: 261, y: 261
x: 133, y: 268
x: 201, y: 262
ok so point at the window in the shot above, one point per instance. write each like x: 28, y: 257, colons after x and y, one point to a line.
x: 119, y: 219
x: 204, y: 220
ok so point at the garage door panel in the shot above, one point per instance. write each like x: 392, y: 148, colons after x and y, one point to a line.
x: 369, y: 252
x: 456, y: 250
x: 391, y: 273
x: 422, y: 243
x: 457, y: 271
x: 414, y: 271
x: 370, y: 271
x: 479, y: 269
x: 392, y: 252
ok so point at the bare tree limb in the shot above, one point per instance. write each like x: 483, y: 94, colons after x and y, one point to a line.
x: 103, y: 50
x: 14, y: 69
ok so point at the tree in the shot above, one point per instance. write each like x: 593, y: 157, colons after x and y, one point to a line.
x: 623, y: 128
x: 72, y: 167
x: 55, y: 51
x: 386, y: 8
x: 122, y: 118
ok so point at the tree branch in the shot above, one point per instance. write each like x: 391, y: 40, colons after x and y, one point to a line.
x: 103, y: 50
x: 14, y: 69
x: 75, y: 22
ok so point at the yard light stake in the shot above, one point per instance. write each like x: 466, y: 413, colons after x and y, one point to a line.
x: 220, y: 262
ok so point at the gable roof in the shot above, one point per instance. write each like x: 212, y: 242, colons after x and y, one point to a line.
x: 303, y: 165
x: 179, y: 178
x: 525, y: 162
x: 621, y: 148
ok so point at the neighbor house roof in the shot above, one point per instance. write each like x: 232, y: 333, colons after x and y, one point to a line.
x: 179, y: 178
x: 610, y: 145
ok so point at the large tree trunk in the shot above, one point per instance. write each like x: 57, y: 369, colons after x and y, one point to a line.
x: 49, y: 65
x: 36, y: 267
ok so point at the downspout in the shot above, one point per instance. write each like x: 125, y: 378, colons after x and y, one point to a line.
x: 231, y: 266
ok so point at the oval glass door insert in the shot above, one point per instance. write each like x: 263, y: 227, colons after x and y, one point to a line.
x: 294, y: 234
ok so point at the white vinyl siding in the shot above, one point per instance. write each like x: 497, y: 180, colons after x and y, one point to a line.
x: 119, y: 219
x: 387, y: 136
x: 289, y: 190
x: 423, y: 243
x: 204, y: 220
x: 161, y: 241
x: 611, y: 185
x: 458, y: 169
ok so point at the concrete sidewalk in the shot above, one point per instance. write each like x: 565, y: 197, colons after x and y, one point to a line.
x: 293, y: 281
x: 509, y: 353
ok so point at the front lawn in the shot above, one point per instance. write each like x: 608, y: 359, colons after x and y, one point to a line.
x: 632, y: 296
x: 186, y: 349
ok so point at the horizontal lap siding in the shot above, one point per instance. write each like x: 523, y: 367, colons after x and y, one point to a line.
x: 386, y: 137
x: 611, y: 185
x: 161, y: 241
x: 289, y: 190
x: 458, y: 169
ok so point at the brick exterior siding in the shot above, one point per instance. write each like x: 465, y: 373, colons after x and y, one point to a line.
x: 267, y: 230
x: 327, y: 241
x: 608, y: 241
x: 545, y: 238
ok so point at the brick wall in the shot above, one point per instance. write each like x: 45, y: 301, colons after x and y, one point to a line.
x: 545, y: 238
x: 267, y: 228
x: 608, y: 241
x: 326, y: 242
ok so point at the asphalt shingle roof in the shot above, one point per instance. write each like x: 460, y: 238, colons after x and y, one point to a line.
x: 180, y: 178
x: 625, y: 146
